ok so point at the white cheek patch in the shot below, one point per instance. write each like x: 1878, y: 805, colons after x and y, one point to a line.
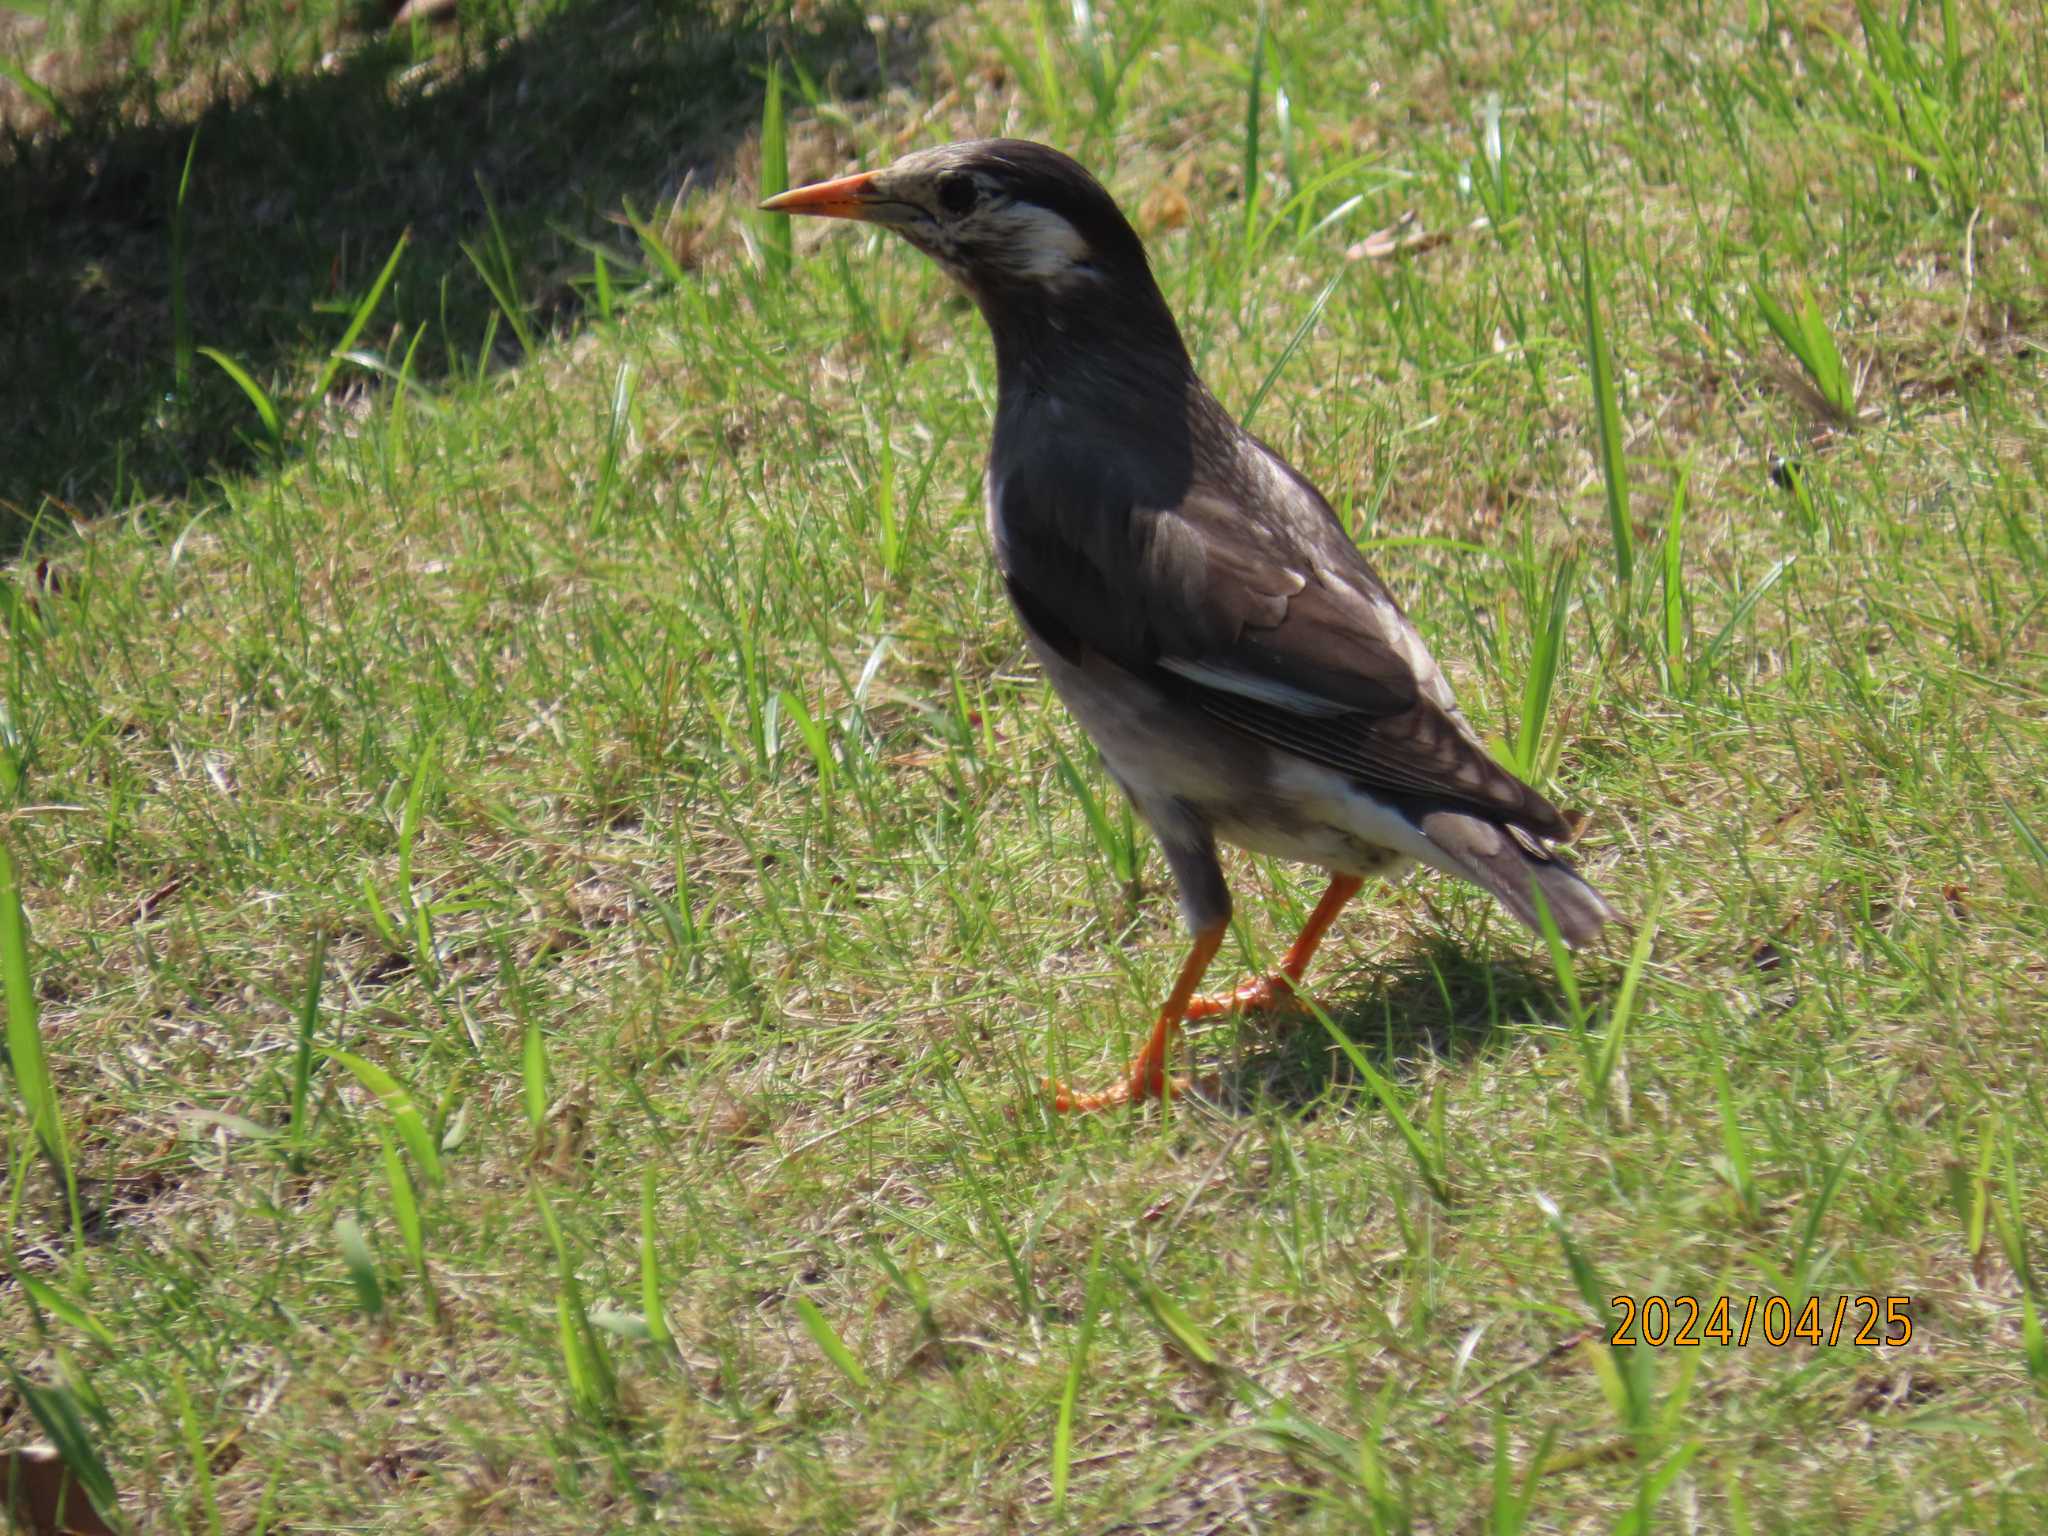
x: 1039, y: 243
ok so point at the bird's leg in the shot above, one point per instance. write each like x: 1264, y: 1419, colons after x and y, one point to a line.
x: 1279, y: 987
x: 1147, y: 1078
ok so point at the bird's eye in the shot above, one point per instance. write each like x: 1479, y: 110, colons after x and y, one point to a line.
x: 957, y: 194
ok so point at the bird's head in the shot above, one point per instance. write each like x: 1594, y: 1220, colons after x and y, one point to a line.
x: 1009, y: 219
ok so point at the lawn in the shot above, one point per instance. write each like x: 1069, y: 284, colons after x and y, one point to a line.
x: 552, y: 884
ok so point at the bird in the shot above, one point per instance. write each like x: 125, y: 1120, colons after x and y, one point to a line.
x: 1246, y: 676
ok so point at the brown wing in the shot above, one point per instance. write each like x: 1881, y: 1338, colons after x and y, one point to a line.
x: 1248, y: 601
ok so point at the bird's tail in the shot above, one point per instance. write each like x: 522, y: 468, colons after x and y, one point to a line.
x: 1511, y: 867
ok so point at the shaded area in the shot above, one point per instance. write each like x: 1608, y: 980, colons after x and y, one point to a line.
x: 301, y: 187
x: 1444, y: 1001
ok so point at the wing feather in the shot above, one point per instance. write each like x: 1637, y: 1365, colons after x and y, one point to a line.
x: 1246, y: 599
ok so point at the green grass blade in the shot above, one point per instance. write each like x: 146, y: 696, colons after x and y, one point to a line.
x: 1585, y: 1279
x: 1119, y: 851
x: 1607, y: 417
x: 25, y: 1056
x: 195, y: 1451
x: 1743, y: 610
x: 822, y: 1333
x: 181, y: 310
x: 533, y: 1074
x: 651, y: 1310
x: 1807, y: 338
x: 405, y: 1113
x: 1173, y: 1319
x: 1253, y: 110
x: 500, y: 276
x: 593, y: 1385
x: 1621, y: 1012
x: 1434, y: 1175
x: 359, y: 319
x: 775, y: 231
x: 405, y: 1205
x: 302, y: 1060
x: 624, y: 384
x: 656, y: 248
x: 1546, y: 656
x: 266, y: 408
x: 38, y: 93
x: 2033, y: 1343
x: 1734, y: 1143
x: 409, y: 826
x: 49, y: 1299
x: 1301, y: 332
x: 1672, y: 630
x: 361, y: 1265
x: 1817, y: 1210
x: 2029, y: 839
x: 1070, y: 1390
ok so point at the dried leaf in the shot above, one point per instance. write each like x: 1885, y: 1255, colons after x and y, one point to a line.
x: 1404, y: 236
x: 1164, y: 207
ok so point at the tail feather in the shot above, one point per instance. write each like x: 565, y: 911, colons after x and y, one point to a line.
x: 1489, y: 855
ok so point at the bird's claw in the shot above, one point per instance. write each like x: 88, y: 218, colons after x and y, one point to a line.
x: 1274, y: 991
x: 1135, y: 1089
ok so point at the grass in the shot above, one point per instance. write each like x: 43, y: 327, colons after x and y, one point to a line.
x: 551, y: 884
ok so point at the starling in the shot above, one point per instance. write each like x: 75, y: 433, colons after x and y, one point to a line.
x: 1246, y: 675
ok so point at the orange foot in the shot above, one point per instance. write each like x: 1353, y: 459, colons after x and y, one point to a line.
x: 1147, y: 1077
x: 1274, y: 991
x: 1135, y: 1089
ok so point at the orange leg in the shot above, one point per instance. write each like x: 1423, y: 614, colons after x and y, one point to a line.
x: 1148, y: 1079
x: 1269, y: 990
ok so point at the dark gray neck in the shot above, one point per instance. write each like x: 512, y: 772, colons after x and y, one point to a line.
x: 1098, y: 408
x: 1108, y: 340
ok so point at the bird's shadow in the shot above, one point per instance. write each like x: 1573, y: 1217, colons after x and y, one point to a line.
x: 252, y: 214
x: 1440, y: 1001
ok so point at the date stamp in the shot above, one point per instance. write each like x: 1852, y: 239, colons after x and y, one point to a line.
x: 1739, y: 1321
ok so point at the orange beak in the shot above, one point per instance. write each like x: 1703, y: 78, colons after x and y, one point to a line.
x: 850, y: 197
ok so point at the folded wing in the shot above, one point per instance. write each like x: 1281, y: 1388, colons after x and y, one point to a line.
x: 1247, y: 599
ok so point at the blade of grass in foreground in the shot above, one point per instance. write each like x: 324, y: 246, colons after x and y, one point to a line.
x: 1172, y: 1318
x: 1807, y: 338
x: 1308, y: 322
x: 181, y: 313
x: 1672, y: 630
x: 266, y: 408
x: 356, y: 322
x: 195, y: 1448
x: 533, y: 1073
x: 826, y: 1337
x: 405, y: 1211
x: 1546, y: 653
x: 1607, y: 418
x: 47, y: 1298
x: 775, y: 230
x: 405, y: 1112
x: 1427, y: 1164
x: 651, y: 1311
x: 1254, y: 90
x: 361, y: 1265
x: 593, y: 1384
x: 302, y: 1062
x: 1070, y: 1394
x: 37, y: 92
x: 25, y: 1057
